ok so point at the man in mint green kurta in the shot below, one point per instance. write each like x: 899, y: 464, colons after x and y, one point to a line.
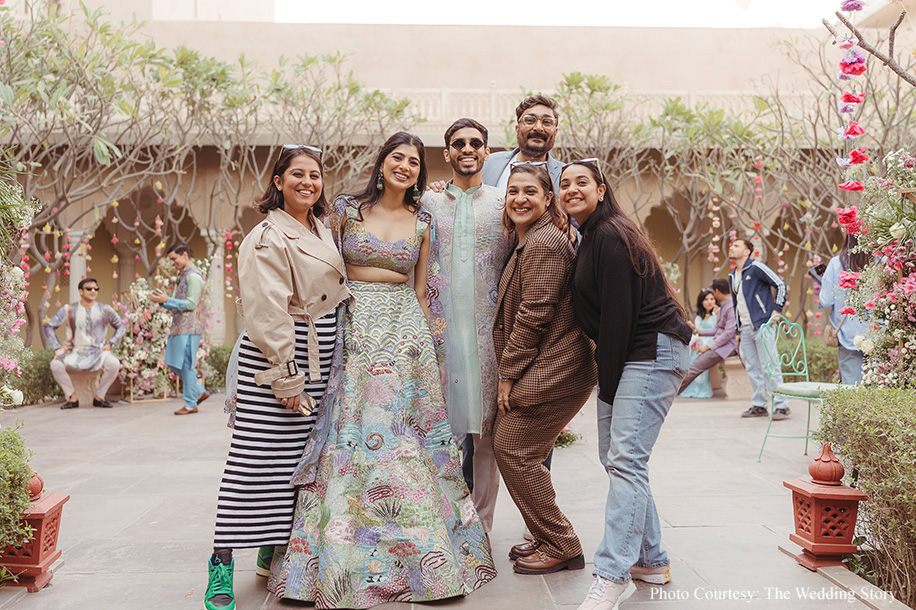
x: 473, y: 251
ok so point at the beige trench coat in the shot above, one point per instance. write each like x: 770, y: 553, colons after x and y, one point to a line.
x: 288, y: 273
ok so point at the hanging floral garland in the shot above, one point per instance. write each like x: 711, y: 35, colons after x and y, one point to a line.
x: 851, y: 65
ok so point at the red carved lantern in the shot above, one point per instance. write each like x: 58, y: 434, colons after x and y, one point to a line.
x: 825, y: 513
x: 32, y: 561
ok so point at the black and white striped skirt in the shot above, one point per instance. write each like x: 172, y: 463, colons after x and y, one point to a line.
x: 256, y: 500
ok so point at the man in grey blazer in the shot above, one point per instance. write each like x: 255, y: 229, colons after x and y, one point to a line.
x: 725, y: 333
x: 536, y: 126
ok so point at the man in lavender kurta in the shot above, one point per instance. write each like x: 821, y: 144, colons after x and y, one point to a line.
x: 86, y: 348
x: 724, y: 333
x: 473, y: 251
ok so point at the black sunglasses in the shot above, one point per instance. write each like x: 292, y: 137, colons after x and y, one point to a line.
x: 92, y: 288
x: 476, y: 143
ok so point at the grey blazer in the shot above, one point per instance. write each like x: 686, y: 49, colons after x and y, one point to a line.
x: 497, y: 162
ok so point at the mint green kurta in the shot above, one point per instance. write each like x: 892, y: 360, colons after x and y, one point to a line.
x: 464, y: 333
x: 474, y: 249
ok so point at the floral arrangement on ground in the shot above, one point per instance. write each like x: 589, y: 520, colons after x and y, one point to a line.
x: 142, y: 350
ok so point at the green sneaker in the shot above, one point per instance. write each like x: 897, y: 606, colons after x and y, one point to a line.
x: 265, y: 558
x: 219, y: 590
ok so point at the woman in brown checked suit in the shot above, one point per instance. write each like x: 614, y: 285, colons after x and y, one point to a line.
x: 546, y: 367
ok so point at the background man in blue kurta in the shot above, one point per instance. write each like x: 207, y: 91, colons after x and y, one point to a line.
x: 187, y: 326
x: 474, y: 249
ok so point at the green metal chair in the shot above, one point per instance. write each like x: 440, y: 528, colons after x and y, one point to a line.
x: 785, y: 354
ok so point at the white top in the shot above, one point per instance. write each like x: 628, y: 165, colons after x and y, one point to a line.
x: 503, y: 181
x: 744, y: 314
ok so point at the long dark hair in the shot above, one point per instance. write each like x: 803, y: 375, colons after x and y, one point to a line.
x: 557, y: 216
x: 371, y: 195
x: 639, y: 249
x: 853, y: 261
x: 272, y: 199
x: 701, y: 311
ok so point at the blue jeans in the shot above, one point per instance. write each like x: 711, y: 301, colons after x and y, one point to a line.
x: 850, y: 365
x: 627, y: 431
x: 754, y: 357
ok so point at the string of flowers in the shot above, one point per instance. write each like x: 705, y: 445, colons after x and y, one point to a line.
x: 231, y: 278
x: 851, y: 65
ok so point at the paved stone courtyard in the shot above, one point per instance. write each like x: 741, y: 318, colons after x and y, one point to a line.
x: 143, y: 483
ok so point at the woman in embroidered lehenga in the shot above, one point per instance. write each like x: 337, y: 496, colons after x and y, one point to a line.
x: 383, y: 513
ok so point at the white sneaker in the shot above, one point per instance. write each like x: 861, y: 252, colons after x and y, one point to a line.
x: 606, y: 594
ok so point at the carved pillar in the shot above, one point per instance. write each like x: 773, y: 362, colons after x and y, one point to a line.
x: 77, y: 263
x: 216, y: 251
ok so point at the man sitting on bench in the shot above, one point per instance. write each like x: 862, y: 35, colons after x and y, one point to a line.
x: 86, y: 349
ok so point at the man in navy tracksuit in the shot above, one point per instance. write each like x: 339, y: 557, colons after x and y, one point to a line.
x: 752, y: 285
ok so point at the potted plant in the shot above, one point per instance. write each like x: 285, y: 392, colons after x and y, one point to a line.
x: 14, y: 498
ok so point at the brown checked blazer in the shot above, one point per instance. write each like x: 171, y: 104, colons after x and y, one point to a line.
x: 538, y: 342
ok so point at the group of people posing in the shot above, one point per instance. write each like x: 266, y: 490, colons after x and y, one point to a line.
x: 388, y: 326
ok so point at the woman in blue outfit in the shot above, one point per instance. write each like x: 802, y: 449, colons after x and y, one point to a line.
x: 624, y: 303
x: 833, y: 298
x: 707, y: 313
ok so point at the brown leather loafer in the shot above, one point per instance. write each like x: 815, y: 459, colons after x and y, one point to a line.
x: 203, y: 396
x: 541, y: 563
x: 185, y: 411
x: 524, y: 549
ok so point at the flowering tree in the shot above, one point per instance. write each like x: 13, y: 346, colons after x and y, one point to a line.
x: 598, y: 121
x: 112, y: 130
x: 15, y: 214
x: 705, y: 171
x: 87, y: 127
x: 885, y: 292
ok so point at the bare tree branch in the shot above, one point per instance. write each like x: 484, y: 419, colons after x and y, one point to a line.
x: 888, y: 60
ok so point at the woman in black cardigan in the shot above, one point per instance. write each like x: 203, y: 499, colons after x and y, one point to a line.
x: 624, y: 303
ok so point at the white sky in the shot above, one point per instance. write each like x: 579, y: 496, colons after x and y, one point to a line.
x: 623, y: 13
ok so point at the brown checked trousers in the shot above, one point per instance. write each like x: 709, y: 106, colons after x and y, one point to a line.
x: 541, y: 347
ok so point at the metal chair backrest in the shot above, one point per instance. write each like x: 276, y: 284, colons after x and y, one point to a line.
x: 784, y: 349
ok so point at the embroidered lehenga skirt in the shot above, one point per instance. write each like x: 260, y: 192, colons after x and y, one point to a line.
x: 389, y: 517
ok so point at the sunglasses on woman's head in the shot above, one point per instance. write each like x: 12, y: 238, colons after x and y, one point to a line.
x: 308, y: 147
x: 583, y: 161
x: 593, y: 160
x: 515, y: 164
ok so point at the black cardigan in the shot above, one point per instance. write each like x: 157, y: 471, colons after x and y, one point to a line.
x: 619, y: 310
